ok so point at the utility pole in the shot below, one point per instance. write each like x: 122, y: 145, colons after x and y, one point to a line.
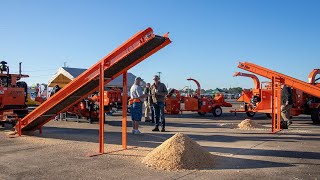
x: 159, y: 73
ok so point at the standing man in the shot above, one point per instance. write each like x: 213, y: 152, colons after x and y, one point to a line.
x: 158, y: 92
x: 148, y: 105
x: 55, y: 90
x: 137, y: 98
x: 286, y: 105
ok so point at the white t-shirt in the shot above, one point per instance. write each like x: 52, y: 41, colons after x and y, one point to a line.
x: 136, y: 91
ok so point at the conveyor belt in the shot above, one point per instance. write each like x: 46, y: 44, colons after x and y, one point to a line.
x: 123, y: 58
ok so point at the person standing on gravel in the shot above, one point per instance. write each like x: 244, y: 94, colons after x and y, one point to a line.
x: 158, y: 93
x: 137, y: 98
x: 148, y: 112
x: 286, y: 105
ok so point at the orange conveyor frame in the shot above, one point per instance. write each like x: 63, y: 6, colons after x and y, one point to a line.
x: 277, y: 80
x: 133, y: 51
x: 284, y: 79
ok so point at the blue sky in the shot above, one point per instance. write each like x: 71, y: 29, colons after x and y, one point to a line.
x: 209, y: 37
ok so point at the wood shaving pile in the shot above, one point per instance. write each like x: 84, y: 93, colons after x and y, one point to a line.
x: 9, y: 132
x: 178, y: 153
x: 249, y: 124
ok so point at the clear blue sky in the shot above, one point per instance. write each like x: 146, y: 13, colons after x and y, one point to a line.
x: 209, y: 37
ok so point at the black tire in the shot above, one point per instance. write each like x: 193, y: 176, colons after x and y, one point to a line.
x: 315, y: 116
x: 269, y: 115
x: 201, y: 113
x: 250, y: 113
x: 217, y: 111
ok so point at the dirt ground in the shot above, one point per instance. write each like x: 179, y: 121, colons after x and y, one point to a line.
x: 63, y: 150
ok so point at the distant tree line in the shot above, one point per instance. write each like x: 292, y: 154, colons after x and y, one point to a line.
x: 232, y: 90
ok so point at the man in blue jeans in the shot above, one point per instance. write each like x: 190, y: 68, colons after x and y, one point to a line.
x: 158, y: 93
x: 137, y: 98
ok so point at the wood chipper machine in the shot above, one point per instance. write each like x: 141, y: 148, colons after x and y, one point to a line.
x: 305, y: 95
x: 257, y: 99
x: 89, y: 107
x: 13, y: 95
x: 176, y: 103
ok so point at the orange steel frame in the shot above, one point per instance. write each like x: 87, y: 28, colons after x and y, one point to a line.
x: 116, y: 55
x: 101, y: 109
x: 284, y: 79
x: 277, y: 80
x: 124, y: 110
x: 276, y: 96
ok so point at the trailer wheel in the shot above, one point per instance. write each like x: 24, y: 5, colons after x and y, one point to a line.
x: 217, y: 111
x: 250, y: 113
x: 269, y: 115
x: 315, y: 116
x: 201, y: 113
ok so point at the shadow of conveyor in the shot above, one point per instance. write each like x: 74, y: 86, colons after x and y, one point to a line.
x: 152, y: 140
x: 241, y: 163
x: 266, y: 153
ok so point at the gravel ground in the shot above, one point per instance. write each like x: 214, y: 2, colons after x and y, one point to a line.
x: 63, y: 150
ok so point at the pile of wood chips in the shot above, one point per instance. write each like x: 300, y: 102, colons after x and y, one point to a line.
x: 249, y: 124
x: 178, y: 153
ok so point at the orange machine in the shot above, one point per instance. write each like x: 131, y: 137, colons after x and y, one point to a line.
x: 305, y: 95
x: 176, y: 103
x: 255, y: 100
x: 89, y: 107
x: 130, y: 53
x: 13, y: 95
x: 259, y: 98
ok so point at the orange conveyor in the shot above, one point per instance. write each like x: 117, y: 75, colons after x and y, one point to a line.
x: 133, y: 51
x: 287, y: 80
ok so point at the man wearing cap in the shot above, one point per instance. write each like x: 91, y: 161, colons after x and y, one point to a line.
x: 137, y: 98
x: 158, y: 93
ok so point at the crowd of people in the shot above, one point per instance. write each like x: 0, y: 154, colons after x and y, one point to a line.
x: 153, y: 98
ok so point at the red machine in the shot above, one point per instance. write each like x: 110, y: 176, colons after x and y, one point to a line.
x: 13, y: 95
x: 176, y: 103
x: 306, y: 96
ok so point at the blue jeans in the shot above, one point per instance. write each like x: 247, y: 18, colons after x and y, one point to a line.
x: 136, y: 111
x: 159, y: 114
x: 152, y: 113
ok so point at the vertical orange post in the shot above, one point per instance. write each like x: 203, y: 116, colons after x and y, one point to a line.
x: 101, y: 109
x: 124, y: 110
x: 276, y: 105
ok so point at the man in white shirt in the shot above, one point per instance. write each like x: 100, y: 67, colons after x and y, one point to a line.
x: 137, y: 98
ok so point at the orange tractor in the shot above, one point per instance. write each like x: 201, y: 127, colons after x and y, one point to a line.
x: 175, y: 103
x: 13, y: 95
x: 259, y: 99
